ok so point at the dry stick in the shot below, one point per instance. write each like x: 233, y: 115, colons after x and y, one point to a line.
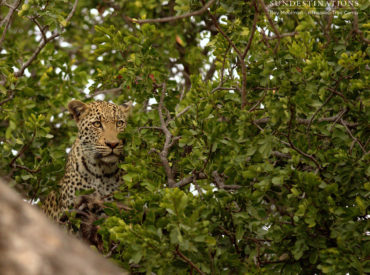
x: 174, y: 18
x: 8, y: 19
x: 187, y: 260
x: 44, y: 42
x: 353, y: 137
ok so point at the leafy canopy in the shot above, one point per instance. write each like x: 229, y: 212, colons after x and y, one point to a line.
x: 248, y: 147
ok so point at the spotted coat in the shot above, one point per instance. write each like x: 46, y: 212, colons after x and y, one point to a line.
x: 92, y: 161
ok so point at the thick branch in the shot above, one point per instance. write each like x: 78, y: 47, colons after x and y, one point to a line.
x: 174, y: 18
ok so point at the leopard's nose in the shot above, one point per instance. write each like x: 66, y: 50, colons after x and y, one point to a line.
x: 111, y: 144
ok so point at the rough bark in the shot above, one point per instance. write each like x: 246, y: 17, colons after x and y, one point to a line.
x: 30, y: 244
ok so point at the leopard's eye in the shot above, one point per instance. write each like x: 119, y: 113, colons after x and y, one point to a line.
x: 97, y: 124
x: 120, y: 123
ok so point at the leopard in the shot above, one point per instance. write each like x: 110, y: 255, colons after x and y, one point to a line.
x: 93, y: 161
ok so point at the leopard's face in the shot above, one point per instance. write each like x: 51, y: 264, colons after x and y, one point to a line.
x: 98, y: 124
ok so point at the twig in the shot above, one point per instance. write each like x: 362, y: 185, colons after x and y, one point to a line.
x: 114, y: 247
x: 8, y: 19
x: 297, y: 149
x: 219, y: 181
x: 281, y: 35
x: 353, y: 137
x: 44, y: 42
x: 276, y: 31
x: 187, y: 260
x: 240, y: 58
x: 340, y: 115
x: 23, y: 149
x: 150, y: 127
x: 34, y: 20
x: 10, y: 97
x: 224, y: 89
x: 32, y: 171
x: 254, y: 27
x: 355, y: 25
x: 280, y: 155
x: 190, y: 179
x: 183, y: 111
x: 174, y: 18
x: 317, y: 111
x: 258, y: 102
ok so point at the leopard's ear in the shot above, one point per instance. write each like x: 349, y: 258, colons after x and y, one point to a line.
x: 77, y: 109
x: 126, y: 107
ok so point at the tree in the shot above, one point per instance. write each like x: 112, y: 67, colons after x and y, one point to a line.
x: 248, y: 146
x: 30, y: 244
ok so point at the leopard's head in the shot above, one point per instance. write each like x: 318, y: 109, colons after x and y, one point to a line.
x: 98, y: 124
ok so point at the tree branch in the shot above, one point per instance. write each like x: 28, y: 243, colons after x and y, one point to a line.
x: 174, y: 18
x: 10, y: 97
x: 23, y: 149
x: 8, y: 19
x: 219, y: 181
x: 297, y: 149
x: 187, y: 260
x: 355, y: 25
x: 44, y: 42
x: 254, y: 27
x: 352, y: 136
x: 190, y: 179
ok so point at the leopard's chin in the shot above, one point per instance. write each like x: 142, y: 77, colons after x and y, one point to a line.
x: 109, y: 159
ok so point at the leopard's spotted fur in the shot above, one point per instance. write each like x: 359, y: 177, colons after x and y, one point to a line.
x: 92, y: 161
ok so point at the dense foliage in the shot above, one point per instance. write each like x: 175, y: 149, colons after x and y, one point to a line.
x: 248, y: 147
